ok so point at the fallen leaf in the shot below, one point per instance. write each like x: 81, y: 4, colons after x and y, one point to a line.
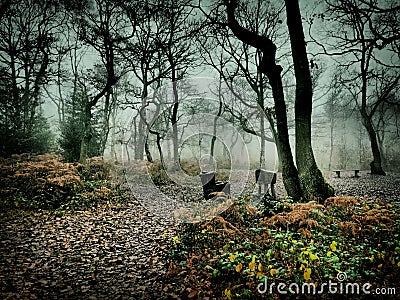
x: 307, y: 273
x: 239, y: 267
x: 252, y: 264
x: 333, y: 246
x: 260, y: 268
x: 192, y: 294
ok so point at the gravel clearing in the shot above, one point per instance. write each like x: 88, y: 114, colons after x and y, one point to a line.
x: 366, y: 186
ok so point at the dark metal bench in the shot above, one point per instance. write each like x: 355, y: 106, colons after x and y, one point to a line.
x: 266, y: 179
x: 211, y: 186
x: 356, y: 171
x: 337, y: 173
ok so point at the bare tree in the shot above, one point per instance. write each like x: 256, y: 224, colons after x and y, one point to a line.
x: 176, y: 19
x: 266, y: 64
x: 358, y: 32
x: 28, y: 34
x: 236, y: 62
x: 272, y: 70
x: 144, y: 55
x: 311, y: 178
x: 104, y: 25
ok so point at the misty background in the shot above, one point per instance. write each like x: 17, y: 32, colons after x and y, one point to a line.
x: 57, y: 59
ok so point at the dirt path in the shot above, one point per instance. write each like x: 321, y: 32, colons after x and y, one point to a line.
x: 110, y: 252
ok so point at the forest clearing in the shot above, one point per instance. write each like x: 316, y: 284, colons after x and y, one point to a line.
x: 199, y: 149
x: 101, y: 242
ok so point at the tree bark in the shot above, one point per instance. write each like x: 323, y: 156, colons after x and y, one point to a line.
x: 289, y: 171
x: 273, y: 71
x: 106, y: 121
x: 174, y: 115
x: 148, y: 153
x: 312, y: 181
x: 376, y: 163
x: 140, y: 137
x: 214, y: 137
x: 262, y: 124
x: 87, y: 136
x: 331, y: 144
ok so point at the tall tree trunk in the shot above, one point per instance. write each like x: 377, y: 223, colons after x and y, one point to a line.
x: 331, y: 127
x: 106, y: 120
x: 262, y: 148
x: 289, y: 171
x: 376, y: 163
x: 262, y: 123
x: 214, y: 137
x: 158, y: 143
x: 273, y: 71
x: 16, y: 116
x: 174, y: 116
x: 148, y: 153
x: 87, y: 135
x: 312, y: 181
x: 360, y: 145
x: 271, y: 122
x: 140, y: 143
x: 113, y: 134
x: 331, y: 145
x: 169, y: 155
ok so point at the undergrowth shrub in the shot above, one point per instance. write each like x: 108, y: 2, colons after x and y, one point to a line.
x: 46, y: 182
x: 158, y: 174
x: 229, y: 256
x: 94, y: 169
x: 42, y: 181
x: 190, y: 167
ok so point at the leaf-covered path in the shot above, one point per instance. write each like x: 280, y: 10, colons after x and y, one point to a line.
x: 100, y: 254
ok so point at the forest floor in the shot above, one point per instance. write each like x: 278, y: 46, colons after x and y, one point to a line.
x: 114, y: 250
x: 366, y: 186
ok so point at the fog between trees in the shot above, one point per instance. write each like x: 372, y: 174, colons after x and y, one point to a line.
x: 89, y: 78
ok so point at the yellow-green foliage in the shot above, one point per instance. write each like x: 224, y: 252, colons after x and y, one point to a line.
x: 228, y: 256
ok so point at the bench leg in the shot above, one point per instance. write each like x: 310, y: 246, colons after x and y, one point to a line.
x: 338, y: 174
x: 273, y: 190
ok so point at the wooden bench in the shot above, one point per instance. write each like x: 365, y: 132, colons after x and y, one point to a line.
x: 211, y: 186
x: 356, y: 171
x: 265, y: 179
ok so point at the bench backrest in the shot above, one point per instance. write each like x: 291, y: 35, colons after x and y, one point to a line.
x: 265, y: 177
x: 207, y: 178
